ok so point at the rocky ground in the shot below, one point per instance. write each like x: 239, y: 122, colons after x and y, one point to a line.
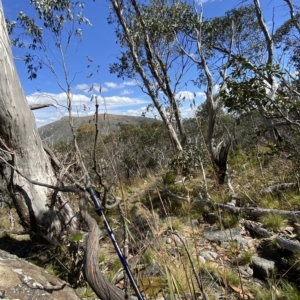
x: 174, y: 257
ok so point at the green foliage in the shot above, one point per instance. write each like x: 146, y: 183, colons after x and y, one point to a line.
x: 76, y: 237
x: 85, y: 292
x: 229, y: 220
x: 246, y: 257
x: 102, y: 257
x: 140, y: 149
x: 231, y: 277
x: 289, y: 291
x: 61, y: 19
x: 151, y: 285
x: 285, y: 37
x: 247, y: 88
x: 169, y: 178
x: 160, y: 22
x: 149, y: 256
x: 273, y: 221
x: 188, y: 160
x: 116, y: 265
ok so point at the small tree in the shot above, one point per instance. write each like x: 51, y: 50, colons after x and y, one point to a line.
x: 151, y: 52
x: 265, y: 84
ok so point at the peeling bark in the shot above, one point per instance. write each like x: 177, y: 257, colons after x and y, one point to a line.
x: 22, y: 149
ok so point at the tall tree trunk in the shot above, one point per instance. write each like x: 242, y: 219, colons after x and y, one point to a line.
x: 21, y: 149
x: 119, y: 11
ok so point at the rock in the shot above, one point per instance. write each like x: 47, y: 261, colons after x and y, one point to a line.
x: 244, y: 243
x: 263, y: 267
x: 22, y: 280
x: 220, y: 236
x: 208, y: 255
x: 152, y: 270
x: 246, y: 271
x: 168, y: 240
x: 201, y: 259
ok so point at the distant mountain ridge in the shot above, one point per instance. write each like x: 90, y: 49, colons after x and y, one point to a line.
x: 107, y: 123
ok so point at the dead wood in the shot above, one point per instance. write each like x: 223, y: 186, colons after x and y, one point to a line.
x: 103, y: 288
x: 278, y: 187
x: 293, y: 246
x: 38, y: 106
x: 251, y: 212
x: 256, y: 212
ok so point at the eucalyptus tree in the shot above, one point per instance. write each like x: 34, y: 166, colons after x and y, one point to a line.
x: 151, y: 54
x: 36, y: 179
x: 262, y: 83
x: 196, y: 43
x: 221, y: 47
x: 25, y: 165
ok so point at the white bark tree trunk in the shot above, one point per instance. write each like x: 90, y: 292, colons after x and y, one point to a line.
x: 118, y: 8
x: 21, y: 147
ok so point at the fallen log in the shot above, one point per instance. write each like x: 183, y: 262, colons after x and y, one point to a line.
x: 293, y: 246
x: 252, y: 212
x: 278, y: 187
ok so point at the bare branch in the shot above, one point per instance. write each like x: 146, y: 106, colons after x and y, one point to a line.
x: 38, y: 106
x: 53, y: 187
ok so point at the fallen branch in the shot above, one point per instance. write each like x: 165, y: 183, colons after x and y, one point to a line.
x: 293, y: 246
x: 278, y: 187
x: 38, y: 106
x: 256, y: 212
x: 253, y: 212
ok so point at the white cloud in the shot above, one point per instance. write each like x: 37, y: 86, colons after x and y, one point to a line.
x: 82, y: 86
x: 121, y: 100
x: 200, y: 95
x: 126, y: 92
x: 134, y: 112
x: 216, y: 88
x: 113, y: 85
x: 100, y: 88
x: 40, y: 122
x: 130, y: 83
x: 185, y: 95
x: 59, y: 99
x: 82, y: 105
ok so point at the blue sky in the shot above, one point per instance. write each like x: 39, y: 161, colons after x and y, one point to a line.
x: 99, y: 43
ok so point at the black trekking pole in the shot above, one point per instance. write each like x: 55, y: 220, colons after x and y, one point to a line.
x: 99, y: 209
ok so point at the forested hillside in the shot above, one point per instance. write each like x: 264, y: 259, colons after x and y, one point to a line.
x: 203, y: 205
